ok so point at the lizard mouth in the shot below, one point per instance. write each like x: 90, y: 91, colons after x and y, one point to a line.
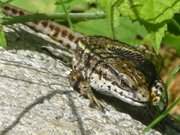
x: 133, y: 101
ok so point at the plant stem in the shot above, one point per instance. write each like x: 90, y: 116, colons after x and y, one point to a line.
x: 162, y: 116
x: 176, y: 24
x: 67, y: 15
x: 116, y: 3
x: 62, y: 16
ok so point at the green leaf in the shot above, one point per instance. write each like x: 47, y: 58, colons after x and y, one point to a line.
x: 42, y: 6
x: 153, y: 14
x: 3, y: 42
x: 172, y: 41
x: 154, y: 38
x: 77, y: 5
x: 157, y: 11
x: 94, y: 27
x: 153, y: 11
x: 106, y: 6
x: 128, y: 31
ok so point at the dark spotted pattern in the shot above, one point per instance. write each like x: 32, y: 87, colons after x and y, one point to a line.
x: 57, y: 30
x: 51, y: 26
x: 44, y: 23
x: 64, y: 33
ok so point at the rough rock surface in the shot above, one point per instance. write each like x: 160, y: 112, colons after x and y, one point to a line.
x: 36, y: 99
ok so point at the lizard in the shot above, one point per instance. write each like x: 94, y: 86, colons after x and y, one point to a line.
x: 107, y: 66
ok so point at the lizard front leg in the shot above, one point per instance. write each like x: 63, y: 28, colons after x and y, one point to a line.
x: 82, y: 85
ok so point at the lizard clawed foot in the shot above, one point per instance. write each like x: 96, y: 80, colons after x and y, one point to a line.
x: 86, y: 91
x: 99, y: 104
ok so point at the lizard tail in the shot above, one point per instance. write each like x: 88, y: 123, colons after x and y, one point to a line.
x: 56, y: 31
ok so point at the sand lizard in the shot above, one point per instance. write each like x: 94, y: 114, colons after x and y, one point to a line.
x: 100, y: 64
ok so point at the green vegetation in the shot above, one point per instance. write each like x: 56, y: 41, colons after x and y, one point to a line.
x: 125, y: 20
x: 152, y: 22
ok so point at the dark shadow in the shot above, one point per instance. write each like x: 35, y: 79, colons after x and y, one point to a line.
x: 22, y: 40
x: 143, y: 114
x: 75, y: 113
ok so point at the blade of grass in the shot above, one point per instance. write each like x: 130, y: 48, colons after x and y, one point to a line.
x: 162, y: 116
x: 67, y: 15
x: 3, y: 42
x: 176, y: 24
x: 116, y: 3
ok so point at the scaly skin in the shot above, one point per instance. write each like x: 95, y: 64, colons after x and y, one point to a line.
x: 109, y: 67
